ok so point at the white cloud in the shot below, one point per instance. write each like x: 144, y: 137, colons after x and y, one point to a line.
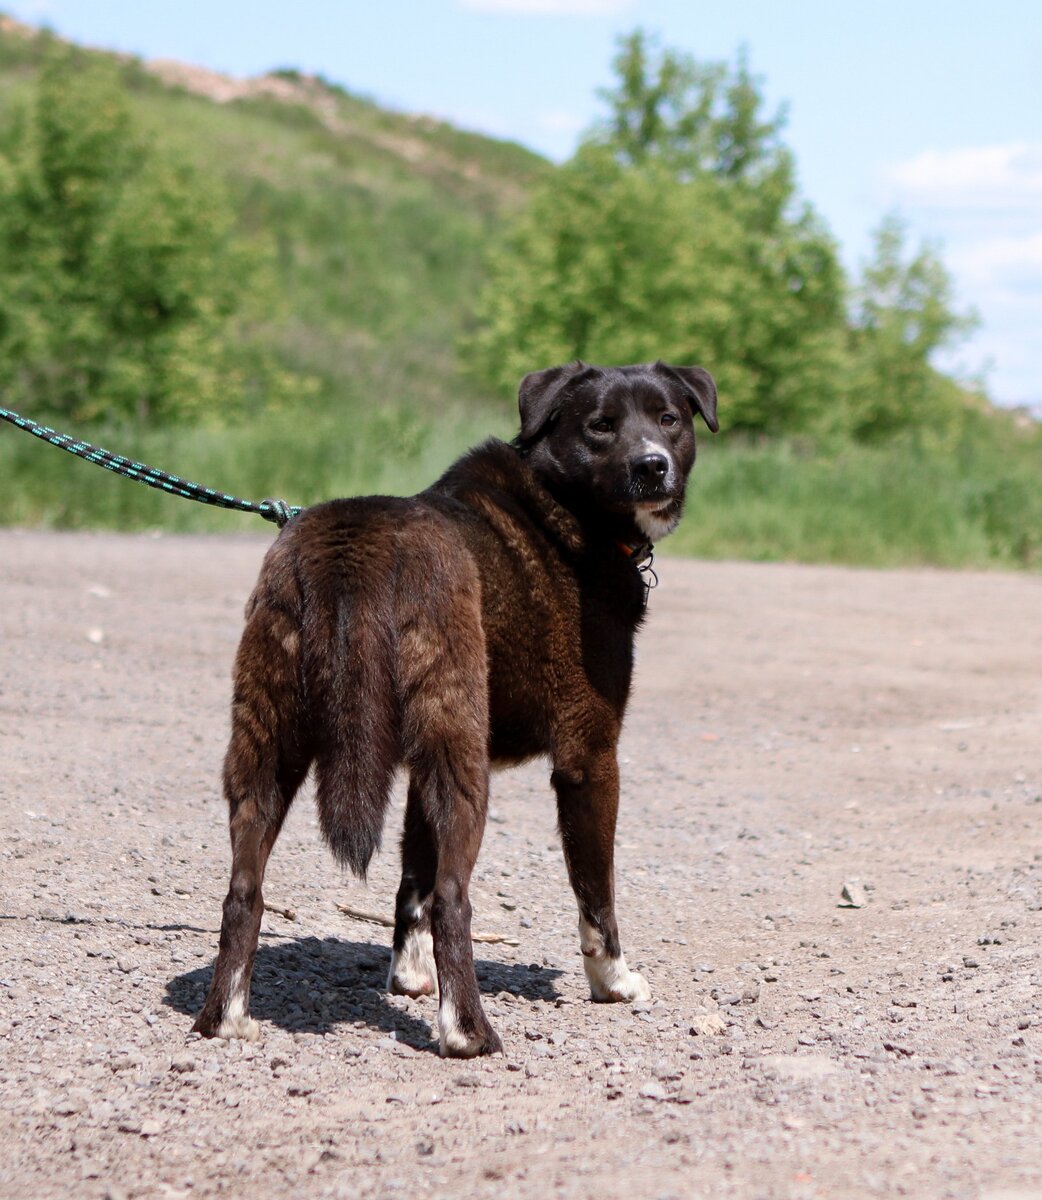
x: 984, y: 205
x: 554, y: 8
x: 1005, y: 175
x: 1011, y: 258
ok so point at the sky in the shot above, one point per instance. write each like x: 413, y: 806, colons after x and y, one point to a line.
x: 929, y: 109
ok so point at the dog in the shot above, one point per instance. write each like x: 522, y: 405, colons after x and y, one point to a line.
x: 490, y: 619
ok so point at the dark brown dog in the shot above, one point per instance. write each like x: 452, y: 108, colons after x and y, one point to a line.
x: 489, y: 618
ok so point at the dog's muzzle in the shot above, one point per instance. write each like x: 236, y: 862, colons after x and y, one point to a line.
x: 651, y: 477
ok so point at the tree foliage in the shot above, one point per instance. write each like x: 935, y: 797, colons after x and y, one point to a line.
x: 120, y: 276
x: 695, y: 117
x: 677, y: 232
x: 902, y: 313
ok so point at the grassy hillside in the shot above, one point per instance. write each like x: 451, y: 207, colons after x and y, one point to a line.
x: 374, y: 225
x: 374, y: 222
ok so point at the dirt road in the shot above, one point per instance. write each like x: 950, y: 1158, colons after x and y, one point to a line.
x: 793, y: 730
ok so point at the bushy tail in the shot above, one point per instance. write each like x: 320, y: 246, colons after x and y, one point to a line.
x: 352, y: 693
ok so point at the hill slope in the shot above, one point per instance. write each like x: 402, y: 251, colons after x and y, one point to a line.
x: 375, y: 220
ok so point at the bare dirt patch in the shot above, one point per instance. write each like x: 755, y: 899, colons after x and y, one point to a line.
x: 793, y: 730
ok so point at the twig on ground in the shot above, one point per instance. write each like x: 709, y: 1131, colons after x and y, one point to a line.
x: 360, y: 914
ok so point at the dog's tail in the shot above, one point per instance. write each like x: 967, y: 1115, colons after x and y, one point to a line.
x: 350, y: 677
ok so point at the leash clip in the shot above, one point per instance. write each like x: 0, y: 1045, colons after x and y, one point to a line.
x: 648, y: 575
x: 276, y: 510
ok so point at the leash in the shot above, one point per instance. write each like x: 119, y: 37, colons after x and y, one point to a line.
x: 277, y: 511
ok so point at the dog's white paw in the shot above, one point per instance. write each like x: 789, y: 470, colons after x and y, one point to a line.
x: 236, y: 1021
x: 239, y: 1026
x: 612, y: 982
x: 453, y: 1042
x: 413, y: 972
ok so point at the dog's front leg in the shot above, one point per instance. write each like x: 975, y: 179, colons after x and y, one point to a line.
x: 587, y: 787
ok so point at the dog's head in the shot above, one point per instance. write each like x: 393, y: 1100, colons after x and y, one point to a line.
x: 618, y: 441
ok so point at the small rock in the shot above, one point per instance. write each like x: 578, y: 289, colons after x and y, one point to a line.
x: 705, y: 1024
x: 653, y: 1091
x: 73, y: 1102
x: 852, y: 895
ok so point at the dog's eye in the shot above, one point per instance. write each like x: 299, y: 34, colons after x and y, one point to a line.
x: 668, y: 419
x: 602, y: 425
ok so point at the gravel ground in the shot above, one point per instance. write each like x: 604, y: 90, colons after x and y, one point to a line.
x: 794, y: 731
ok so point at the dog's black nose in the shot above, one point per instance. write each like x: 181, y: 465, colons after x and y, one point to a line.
x: 650, y: 468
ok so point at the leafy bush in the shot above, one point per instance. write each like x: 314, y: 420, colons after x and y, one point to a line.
x: 677, y: 232
x: 122, y: 279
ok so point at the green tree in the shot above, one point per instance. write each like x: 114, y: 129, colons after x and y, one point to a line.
x: 903, y: 313
x: 675, y: 232
x: 119, y: 272
x: 695, y: 117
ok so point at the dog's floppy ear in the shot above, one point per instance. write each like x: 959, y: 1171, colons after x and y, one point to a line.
x: 700, y: 389
x: 540, y: 394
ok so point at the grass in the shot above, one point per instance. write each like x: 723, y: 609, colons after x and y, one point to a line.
x: 974, y: 504
x: 977, y: 503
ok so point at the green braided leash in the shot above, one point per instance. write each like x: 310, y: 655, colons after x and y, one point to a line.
x: 271, y: 510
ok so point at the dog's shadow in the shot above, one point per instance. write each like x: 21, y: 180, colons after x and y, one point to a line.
x: 312, y: 985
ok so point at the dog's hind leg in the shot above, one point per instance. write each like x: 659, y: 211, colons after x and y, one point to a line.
x: 264, y: 767
x: 587, y: 787
x: 454, y: 797
x: 413, y: 972
x: 443, y: 681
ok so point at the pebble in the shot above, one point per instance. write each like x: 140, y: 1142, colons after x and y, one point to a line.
x: 72, y: 1102
x: 852, y: 895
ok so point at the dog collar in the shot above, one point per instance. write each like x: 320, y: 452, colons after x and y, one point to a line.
x: 642, y: 555
x: 640, y: 552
